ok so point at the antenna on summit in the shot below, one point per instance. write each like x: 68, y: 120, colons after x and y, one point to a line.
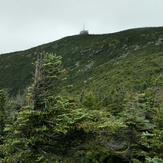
x: 83, y: 27
x: 84, y: 32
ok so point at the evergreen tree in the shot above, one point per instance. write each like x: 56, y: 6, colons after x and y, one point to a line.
x: 152, y: 140
x: 28, y: 138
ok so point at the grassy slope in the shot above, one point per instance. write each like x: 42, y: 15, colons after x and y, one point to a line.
x: 127, y: 60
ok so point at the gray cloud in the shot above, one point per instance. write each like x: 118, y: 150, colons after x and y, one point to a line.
x: 27, y: 23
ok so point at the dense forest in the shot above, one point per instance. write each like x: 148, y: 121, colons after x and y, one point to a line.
x: 84, y: 99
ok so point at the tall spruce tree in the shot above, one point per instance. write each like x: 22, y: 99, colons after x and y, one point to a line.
x: 31, y: 136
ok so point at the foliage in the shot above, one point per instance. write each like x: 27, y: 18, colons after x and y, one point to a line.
x: 153, y: 138
x: 49, y: 132
x: 109, y: 109
x: 3, y: 116
x: 47, y: 73
x: 2, y: 113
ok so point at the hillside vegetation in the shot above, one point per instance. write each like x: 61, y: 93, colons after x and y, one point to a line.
x: 93, y: 62
x: 84, y: 99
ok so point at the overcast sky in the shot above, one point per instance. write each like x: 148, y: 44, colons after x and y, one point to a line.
x: 28, y: 23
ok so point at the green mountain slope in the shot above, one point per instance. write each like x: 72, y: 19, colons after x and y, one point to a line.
x: 105, y: 64
x: 108, y: 110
